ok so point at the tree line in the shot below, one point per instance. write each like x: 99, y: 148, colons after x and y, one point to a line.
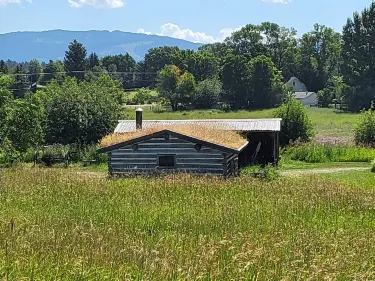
x: 250, y: 64
x: 78, y: 100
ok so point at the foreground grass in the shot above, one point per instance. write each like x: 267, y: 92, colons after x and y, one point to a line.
x: 328, y: 122
x: 57, y: 224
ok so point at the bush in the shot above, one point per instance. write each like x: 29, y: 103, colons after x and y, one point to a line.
x: 365, y: 130
x: 296, y: 125
x: 142, y: 96
x: 8, y: 154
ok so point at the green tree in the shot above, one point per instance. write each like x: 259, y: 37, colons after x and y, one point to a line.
x: 92, y: 61
x: 248, y: 41
x: 167, y: 80
x: 208, y: 93
x: 186, y: 88
x: 267, y: 87
x: 5, y: 106
x: 3, y: 67
x: 157, y: 58
x: 34, y: 71
x: 206, y: 66
x: 95, y: 73
x: 320, y: 56
x: 281, y: 45
x: 358, y: 54
x: 21, y: 84
x: 82, y: 113
x: 53, y: 70
x: 235, y: 77
x: 26, y: 129
x: 295, y: 125
x: 176, y: 87
x: 6, y: 81
x: 75, y: 60
x: 142, y: 96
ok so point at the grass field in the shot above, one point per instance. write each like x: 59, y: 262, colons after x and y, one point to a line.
x: 58, y: 224
x: 328, y: 122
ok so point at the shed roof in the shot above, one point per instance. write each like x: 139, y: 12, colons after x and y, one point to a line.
x: 303, y: 95
x: 175, y: 134
x: 248, y: 125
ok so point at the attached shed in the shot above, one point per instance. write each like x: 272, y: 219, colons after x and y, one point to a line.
x: 167, y: 151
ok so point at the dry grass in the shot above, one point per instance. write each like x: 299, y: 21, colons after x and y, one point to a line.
x: 221, y: 137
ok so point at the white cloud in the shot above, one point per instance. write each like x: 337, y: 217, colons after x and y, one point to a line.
x: 6, y: 2
x: 278, y: 1
x: 173, y: 30
x: 97, y: 3
x: 141, y: 30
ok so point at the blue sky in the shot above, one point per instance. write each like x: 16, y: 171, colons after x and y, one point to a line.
x: 203, y: 21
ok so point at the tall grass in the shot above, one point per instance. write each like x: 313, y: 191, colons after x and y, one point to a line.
x: 319, y: 153
x: 64, y: 225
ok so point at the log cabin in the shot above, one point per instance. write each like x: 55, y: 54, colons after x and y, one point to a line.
x: 167, y: 151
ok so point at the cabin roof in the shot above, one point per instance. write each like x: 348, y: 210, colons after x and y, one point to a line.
x: 244, y: 125
x: 175, y: 134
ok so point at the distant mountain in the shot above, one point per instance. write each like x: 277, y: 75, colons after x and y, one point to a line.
x: 46, y: 45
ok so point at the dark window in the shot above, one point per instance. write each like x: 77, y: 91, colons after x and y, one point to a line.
x: 166, y: 161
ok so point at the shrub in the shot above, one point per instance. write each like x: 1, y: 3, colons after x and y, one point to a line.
x: 8, y: 154
x: 295, y: 125
x: 365, y: 130
x: 142, y: 96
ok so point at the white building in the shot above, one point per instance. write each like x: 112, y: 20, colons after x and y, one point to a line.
x: 307, y: 98
x: 296, y: 85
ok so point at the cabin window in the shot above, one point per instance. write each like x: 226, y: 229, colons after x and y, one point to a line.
x: 166, y: 161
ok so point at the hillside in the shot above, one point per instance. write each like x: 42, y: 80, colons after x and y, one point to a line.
x: 46, y: 45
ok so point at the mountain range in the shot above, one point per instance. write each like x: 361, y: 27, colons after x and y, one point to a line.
x: 46, y: 45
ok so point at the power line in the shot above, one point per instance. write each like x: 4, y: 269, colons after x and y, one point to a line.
x: 82, y: 71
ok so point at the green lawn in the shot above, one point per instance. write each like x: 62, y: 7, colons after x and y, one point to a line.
x: 299, y: 165
x: 130, y: 94
x: 57, y: 224
x: 328, y: 122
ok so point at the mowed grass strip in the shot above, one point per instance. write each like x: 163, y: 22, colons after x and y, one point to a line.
x: 57, y: 224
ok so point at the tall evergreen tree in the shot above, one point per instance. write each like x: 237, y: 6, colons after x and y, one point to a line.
x: 21, y: 84
x: 34, y: 71
x: 74, y: 61
x: 93, y: 61
x: 3, y: 67
x: 358, y: 53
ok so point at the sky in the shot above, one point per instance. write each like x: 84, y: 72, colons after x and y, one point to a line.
x: 203, y: 21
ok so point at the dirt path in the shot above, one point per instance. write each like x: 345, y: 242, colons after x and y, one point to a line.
x: 322, y: 171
